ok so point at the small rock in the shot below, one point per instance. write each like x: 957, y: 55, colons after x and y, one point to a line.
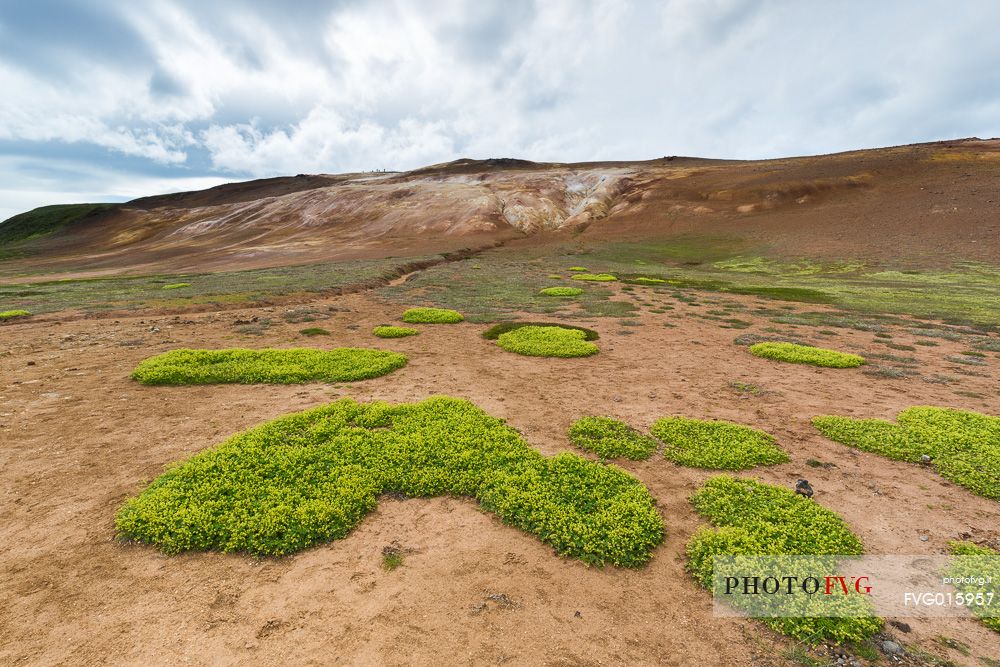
x: 31, y: 363
x: 891, y: 648
x: 924, y: 538
x: 900, y: 625
x: 578, y: 614
x: 925, y: 459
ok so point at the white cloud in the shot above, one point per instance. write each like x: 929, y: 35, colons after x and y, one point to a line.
x: 287, y: 89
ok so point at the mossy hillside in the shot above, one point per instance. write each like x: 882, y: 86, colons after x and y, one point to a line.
x: 561, y: 291
x: 595, y: 277
x: 717, y: 445
x: 310, y: 477
x: 268, y: 366
x: 432, y: 316
x: 394, y: 332
x: 964, y: 446
x: 752, y: 518
x: 547, y: 342
x: 804, y: 354
x: 12, y: 314
x: 610, y: 438
x: 975, y: 561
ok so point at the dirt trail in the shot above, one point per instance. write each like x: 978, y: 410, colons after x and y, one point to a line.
x: 77, y: 437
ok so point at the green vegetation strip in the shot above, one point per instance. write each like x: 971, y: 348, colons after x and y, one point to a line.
x: 717, y: 445
x: 547, y: 342
x: 432, y: 316
x: 11, y: 314
x: 310, y: 477
x: 963, y: 446
x: 971, y: 563
x: 561, y: 291
x: 804, y: 354
x: 752, y: 518
x: 385, y: 331
x: 176, y: 285
x: 610, y: 438
x: 181, y: 367
x: 314, y: 331
x: 595, y: 277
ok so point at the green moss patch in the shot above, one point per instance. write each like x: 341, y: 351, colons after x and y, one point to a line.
x: 963, y: 446
x: 611, y: 439
x: 180, y: 367
x: 314, y: 331
x: 595, y: 277
x: 753, y: 518
x: 494, y: 331
x: 432, y: 316
x: 641, y: 279
x: 176, y: 285
x: 971, y: 562
x: 561, y: 291
x: 717, y: 445
x: 804, y: 354
x: 11, y: 314
x: 579, y: 269
x: 547, y: 342
x: 310, y: 477
x: 394, y: 332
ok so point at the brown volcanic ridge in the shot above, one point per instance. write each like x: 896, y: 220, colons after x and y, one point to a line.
x: 919, y: 202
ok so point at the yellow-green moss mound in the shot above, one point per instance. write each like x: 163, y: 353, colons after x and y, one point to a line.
x: 611, y: 438
x: 394, y: 332
x: 803, y: 354
x: 752, y: 518
x: 432, y: 316
x: 717, y: 445
x: 346, y: 364
x: 963, y: 446
x: 547, y: 342
x: 310, y: 477
x: 11, y: 314
x: 595, y: 277
x: 561, y: 291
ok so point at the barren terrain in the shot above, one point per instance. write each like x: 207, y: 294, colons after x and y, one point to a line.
x: 78, y: 436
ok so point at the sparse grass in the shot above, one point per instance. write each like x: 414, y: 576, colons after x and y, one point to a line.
x: 964, y: 446
x: 753, y: 518
x: 392, y: 558
x: 314, y: 331
x: 595, y: 277
x: 716, y: 445
x: 561, y: 291
x: 386, y: 331
x: 177, y: 285
x: 432, y: 316
x: 747, y: 388
x: 536, y: 341
x: 967, y: 361
x: 611, y: 439
x: 975, y: 561
x: 802, y: 354
x: 494, y: 332
x: 312, y: 476
x: 11, y: 314
x: 926, y: 343
x: 901, y: 347
x: 294, y: 366
x: 222, y: 288
x: 300, y: 315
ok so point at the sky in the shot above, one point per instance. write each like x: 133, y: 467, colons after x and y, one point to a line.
x: 107, y: 100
